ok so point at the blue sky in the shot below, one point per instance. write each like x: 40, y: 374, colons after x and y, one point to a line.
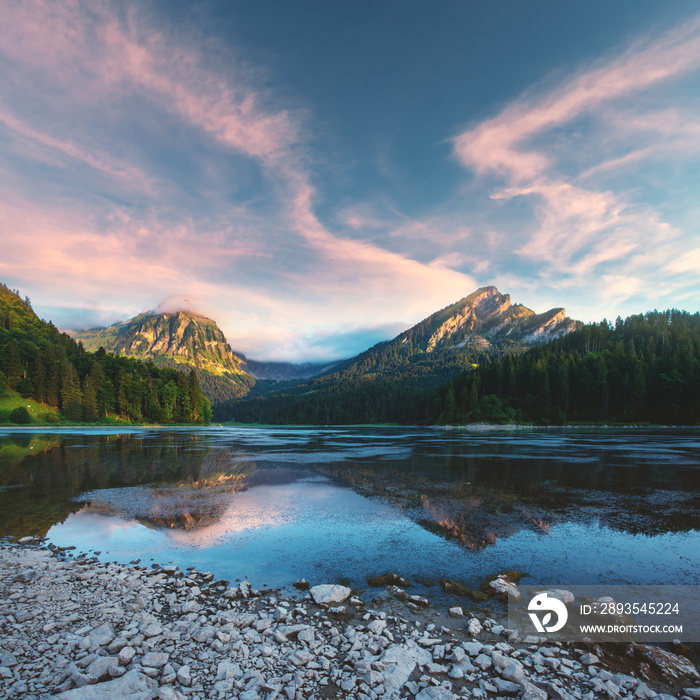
x: 318, y: 176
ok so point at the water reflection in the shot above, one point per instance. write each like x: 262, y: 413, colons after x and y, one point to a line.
x: 510, y: 495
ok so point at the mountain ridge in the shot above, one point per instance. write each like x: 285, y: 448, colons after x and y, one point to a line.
x: 483, y: 323
x: 173, y: 339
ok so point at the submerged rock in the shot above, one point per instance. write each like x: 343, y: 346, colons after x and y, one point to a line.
x: 387, y: 580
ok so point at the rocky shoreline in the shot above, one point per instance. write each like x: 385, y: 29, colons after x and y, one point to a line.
x: 80, y: 628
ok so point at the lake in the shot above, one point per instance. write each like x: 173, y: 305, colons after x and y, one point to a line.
x: 565, y: 506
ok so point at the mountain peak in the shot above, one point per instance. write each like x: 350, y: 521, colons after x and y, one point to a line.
x: 177, y: 335
x: 486, y: 317
x: 174, y: 305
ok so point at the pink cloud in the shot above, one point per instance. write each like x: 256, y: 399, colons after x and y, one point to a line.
x: 95, y: 159
x: 582, y: 234
x: 495, y: 145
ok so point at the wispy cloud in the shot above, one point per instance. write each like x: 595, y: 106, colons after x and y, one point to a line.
x: 115, y: 76
x: 575, y: 153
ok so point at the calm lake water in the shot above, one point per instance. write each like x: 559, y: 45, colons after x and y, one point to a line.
x: 277, y: 504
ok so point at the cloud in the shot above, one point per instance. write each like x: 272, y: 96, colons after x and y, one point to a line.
x: 576, y: 155
x: 497, y: 144
x: 87, y: 73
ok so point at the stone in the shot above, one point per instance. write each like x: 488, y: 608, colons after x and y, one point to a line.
x: 513, y: 672
x: 306, y: 635
x: 400, y: 660
x: 377, y: 626
x: 8, y: 660
x: 644, y: 692
x: 474, y: 627
x: 191, y: 606
x: 301, y: 584
x: 483, y: 662
x: 435, y: 692
x: 553, y: 691
x: 301, y: 657
x: 504, y: 589
x: 102, y: 635
x: 473, y: 648
x: 26, y: 576
x: 674, y: 668
x: 532, y: 692
x: 126, y: 656
x: 329, y: 594
x: 456, y: 612
x: 167, y: 692
x: 116, y: 645
x: 506, y: 687
x: 183, y: 676
x: 99, y: 669
x: 155, y: 659
x: 152, y: 630
x: 589, y: 659
x: 133, y: 685
x: 566, y: 597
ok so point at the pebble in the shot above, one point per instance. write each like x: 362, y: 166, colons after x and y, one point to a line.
x: 78, y: 629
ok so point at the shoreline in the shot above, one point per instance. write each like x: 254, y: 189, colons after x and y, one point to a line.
x: 81, y: 628
x: 468, y: 427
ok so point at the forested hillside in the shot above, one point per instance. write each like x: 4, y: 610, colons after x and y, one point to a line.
x: 394, y: 381
x: 181, y: 340
x: 643, y: 369
x: 41, y: 363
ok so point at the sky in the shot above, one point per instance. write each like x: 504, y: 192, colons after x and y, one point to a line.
x: 319, y: 176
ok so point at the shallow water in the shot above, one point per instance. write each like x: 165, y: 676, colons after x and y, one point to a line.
x: 273, y: 505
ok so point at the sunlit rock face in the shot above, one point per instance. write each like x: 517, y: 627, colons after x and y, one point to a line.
x: 186, y: 336
x: 182, y: 339
x: 487, y: 317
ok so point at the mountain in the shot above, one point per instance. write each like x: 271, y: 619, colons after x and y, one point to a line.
x: 390, y: 380
x: 483, y: 324
x: 486, y: 319
x: 173, y: 340
x: 50, y: 368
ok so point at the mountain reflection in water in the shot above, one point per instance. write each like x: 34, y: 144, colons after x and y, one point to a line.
x: 480, y: 492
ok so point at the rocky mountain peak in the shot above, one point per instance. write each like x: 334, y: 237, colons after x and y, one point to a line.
x: 486, y: 317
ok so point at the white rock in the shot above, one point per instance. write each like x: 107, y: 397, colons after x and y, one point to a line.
x: 483, y: 662
x: 566, y: 597
x: 131, y: 686
x: 99, y: 668
x: 301, y: 657
x: 154, y: 659
x: 513, y: 672
x: 377, y: 626
x: 505, y: 588
x: 329, y: 594
x: 472, y: 648
x: 400, y: 660
x: 102, y: 635
x: 532, y: 692
x: 474, y: 627
x: 435, y: 692
x: 184, y: 676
